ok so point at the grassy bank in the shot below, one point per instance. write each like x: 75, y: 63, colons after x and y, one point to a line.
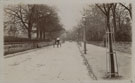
x: 119, y: 46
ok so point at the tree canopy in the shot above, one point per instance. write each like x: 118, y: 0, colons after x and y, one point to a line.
x: 119, y: 19
x: 38, y: 19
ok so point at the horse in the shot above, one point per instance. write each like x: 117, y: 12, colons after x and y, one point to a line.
x: 57, y: 42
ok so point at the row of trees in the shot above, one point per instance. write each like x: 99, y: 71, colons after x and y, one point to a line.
x: 41, y: 20
x: 99, y: 17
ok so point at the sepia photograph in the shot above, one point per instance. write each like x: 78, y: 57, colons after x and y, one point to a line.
x: 67, y: 41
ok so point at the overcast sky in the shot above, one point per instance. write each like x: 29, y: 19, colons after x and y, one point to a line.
x: 69, y: 11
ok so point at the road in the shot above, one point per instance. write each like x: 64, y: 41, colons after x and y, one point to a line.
x: 47, y: 65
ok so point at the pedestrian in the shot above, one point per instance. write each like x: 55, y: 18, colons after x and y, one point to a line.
x: 58, y: 42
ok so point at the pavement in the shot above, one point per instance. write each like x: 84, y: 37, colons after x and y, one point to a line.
x: 47, y: 65
x: 96, y: 57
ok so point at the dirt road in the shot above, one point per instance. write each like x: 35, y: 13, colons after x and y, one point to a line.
x: 47, y: 65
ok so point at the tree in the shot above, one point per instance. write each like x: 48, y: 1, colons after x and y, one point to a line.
x: 114, y: 16
x: 106, y: 9
x: 121, y: 15
x: 94, y: 23
x: 47, y: 21
x: 39, y: 18
x: 128, y: 8
x: 22, y: 14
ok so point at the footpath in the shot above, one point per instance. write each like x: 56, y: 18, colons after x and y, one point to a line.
x: 96, y: 57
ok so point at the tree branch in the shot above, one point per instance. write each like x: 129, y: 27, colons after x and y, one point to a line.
x: 101, y: 9
x: 129, y: 9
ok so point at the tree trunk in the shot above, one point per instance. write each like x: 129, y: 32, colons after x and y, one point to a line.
x: 29, y: 34
x: 29, y: 29
x: 110, y: 47
x: 114, y: 18
x: 44, y: 36
x: 51, y: 37
x: 38, y: 33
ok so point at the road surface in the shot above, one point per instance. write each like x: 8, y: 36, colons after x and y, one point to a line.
x: 47, y: 65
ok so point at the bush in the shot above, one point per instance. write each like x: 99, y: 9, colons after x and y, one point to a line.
x: 15, y: 40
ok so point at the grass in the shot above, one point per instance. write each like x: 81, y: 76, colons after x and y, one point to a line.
x: 119, y: 46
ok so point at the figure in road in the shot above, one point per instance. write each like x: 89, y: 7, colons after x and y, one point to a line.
x: 58, y: 42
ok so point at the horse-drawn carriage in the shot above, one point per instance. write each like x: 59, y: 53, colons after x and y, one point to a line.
x: 57, y: 42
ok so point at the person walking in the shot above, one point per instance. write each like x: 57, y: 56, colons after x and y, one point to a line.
x: 58, y: 42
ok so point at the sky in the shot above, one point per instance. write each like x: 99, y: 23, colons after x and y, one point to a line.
x: 69, y: 11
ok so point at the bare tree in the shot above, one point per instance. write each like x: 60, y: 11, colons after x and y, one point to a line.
x: 41, y: 17
x: 114, y: 16
x: 128, y: 8
x: 22, y: 14
x: 47, y: 21
x: 106, y: 9
x: 119, y: 20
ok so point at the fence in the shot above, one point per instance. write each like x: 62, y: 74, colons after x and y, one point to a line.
x: 17, y: 47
